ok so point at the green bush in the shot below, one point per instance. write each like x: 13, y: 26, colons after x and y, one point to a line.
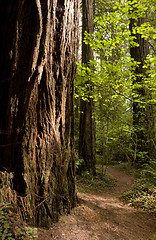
x: 143, y: 195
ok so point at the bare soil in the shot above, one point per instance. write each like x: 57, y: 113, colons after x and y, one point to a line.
x: 102, y: 216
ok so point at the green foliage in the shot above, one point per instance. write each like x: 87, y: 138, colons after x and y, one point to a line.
x: 11, y: 223
x: 143, y: 195
x: 111, y: 41
x: 86, y: 182
x: 5, y: 228
x: 148, y: 174
x: 28, y: 233
x: 114, y: 78
x: 140, y: 197
x: 80, y: 165
x: 8, y: 229
x: 113, y: 123
x: 122, y: 165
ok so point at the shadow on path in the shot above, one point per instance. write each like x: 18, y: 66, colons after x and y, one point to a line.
x: 101, y: 216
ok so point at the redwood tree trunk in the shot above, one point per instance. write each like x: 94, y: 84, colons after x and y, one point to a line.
x: 143, y: 117
x: 87, y: 119
x: 37, y: 68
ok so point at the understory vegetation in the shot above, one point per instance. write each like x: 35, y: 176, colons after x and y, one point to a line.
x: 143, y: 194
x: 87, y: 182
x: 12, y: 211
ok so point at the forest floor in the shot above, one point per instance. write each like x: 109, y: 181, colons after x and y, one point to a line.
x: 102, y: 216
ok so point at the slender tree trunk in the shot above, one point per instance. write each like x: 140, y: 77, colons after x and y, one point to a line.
x: 87, y: 120
x: 143, y: 118
x: 37, y: 68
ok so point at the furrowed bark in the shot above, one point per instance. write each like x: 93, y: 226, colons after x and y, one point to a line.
x: 38, y: 45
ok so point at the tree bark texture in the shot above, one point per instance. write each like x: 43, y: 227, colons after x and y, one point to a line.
x: 38, y: 43
x: 87, y: 120
x: 143, y: 117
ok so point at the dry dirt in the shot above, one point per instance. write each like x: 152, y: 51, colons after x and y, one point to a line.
x: 101, y: 216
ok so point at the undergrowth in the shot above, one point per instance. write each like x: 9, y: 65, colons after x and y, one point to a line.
x: 87, y: 182
x: 141, y: 197
x: 12, y: 226
x: 143, y: 194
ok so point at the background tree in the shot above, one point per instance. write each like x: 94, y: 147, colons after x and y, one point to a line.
x: 87, y: 120
x: 143, y: 115
x: 37, y: 67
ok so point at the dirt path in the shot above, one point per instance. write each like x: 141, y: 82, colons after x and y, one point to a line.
x: 104, y: 217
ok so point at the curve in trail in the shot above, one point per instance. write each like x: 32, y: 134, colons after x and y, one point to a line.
x: 103, y: 217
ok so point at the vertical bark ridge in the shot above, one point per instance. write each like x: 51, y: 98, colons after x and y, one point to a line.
x: 40, y: 105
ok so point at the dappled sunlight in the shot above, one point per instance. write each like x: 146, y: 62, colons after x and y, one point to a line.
x: 102, y: 216
x: 107, y: 202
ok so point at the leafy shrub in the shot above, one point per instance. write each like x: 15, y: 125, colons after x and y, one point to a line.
x: 143, y: 195
x: 141, y: 199
x: 5, y: 228
x: 148, y: 174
